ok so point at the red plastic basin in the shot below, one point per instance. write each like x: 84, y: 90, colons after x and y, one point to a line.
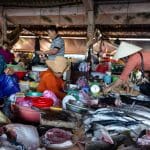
x: 26, y: 113
x: 20, y: 74
x: 41, y: 102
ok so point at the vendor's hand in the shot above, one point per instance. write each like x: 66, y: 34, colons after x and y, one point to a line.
x: 118, y: 102
x: 9, y: 71
x: 108, y: 89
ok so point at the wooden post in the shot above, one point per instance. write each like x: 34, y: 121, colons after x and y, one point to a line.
x: 89, y: 7
x: 90, y: 29
x: 4, y: 27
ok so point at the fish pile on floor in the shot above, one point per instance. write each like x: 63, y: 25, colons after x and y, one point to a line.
x: 137, y: 112
x: 144, y: 139
x: 105, y: 123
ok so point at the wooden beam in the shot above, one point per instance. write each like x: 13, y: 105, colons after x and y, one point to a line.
x: 90, y: 21
x: 88, y: 4
x: 73, y: 10
x: 124, y: 8
x: 68, y: 10
x: 4, y: 26
x: 106, y: 14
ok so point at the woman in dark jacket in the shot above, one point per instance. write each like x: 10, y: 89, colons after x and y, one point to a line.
x: 8, y: 85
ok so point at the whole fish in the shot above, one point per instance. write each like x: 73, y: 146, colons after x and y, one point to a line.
x: 101, y: 117
x: 100, y: 133
x: 143, y: 120
x: 116, y: 122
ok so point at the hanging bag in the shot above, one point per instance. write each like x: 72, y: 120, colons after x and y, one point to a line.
x: 8, y: 85
x: 145, y: 84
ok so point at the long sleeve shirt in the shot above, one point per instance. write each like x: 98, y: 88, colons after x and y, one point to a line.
x: 48, y: 81
x: 134, y: 62
x: 8, y: 56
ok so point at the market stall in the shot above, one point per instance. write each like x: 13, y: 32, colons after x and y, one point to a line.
x: 87, y: 117
x: 94, y: 96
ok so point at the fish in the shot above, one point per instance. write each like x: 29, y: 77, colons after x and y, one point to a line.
x: 100, y: 110
x: 116, y: 128
x: 113, y: 126
x: 101, y: 117
x: 142, y: 114
x: 134, y: 130
x: 100, y: 133
x: 132, y: 108
x: 106, y: 114
x: 144, y: 121
x: 117, y: 122
x: 138, y: 112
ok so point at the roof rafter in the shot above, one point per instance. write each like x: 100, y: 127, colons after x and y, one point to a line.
x: 89, y: 4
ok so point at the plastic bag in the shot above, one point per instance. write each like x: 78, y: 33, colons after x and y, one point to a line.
x: 145, y: 88
x: 8, y: 85
x: 84, y: 67
x: 26, y: 135
x: 50, y: 94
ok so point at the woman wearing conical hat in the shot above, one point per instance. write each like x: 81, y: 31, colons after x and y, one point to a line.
x: 134, y: 62
x: 52, y: 78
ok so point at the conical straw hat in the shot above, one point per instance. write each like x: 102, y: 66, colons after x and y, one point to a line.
x: 58, y: 65
x: 125, y: 49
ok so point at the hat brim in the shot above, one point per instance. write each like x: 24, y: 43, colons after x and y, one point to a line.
x: 53, y: 66
x: 126, y: 49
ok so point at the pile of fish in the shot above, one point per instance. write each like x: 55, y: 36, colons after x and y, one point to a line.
x: 139, y: 100
x: 104, y: 123
x: 137, y: 112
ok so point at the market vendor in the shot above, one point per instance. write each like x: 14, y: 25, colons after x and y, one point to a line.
x: 8, y: 85
x: 52, y: 78
x: 57, y: 46
x: 8, y: 81
x: 134, y: 62
x: 5, y: 52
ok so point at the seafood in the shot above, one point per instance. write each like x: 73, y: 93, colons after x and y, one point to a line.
x: 106, y: 122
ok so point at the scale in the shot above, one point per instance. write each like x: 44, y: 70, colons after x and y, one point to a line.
x: 95, y: 88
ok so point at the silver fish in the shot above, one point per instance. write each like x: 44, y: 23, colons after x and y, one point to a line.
x: 100, y: 133
x: 101, y: 117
